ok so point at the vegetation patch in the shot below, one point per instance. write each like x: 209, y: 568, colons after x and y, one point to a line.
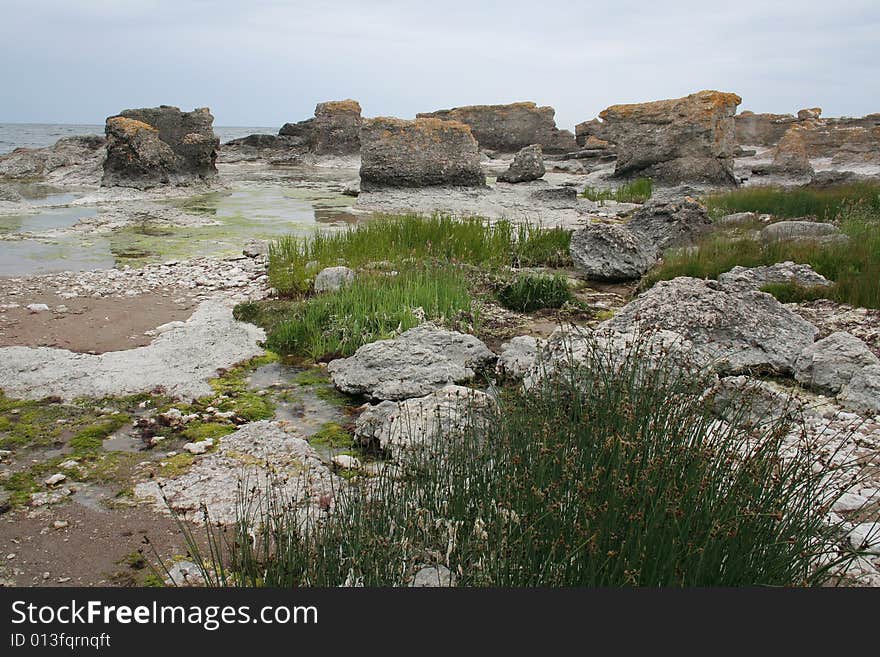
x: 91, y: 438
x: 332, y: 435
x: 610, y: 475
x: 535, y: 291
x: 853, y: 267
x: 825, y: 204
x: 295, y: 261
x: 373, y: 307
x: 637, y: 191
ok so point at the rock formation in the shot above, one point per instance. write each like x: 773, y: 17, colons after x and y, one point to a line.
x: 509, y: 128
x: 160, y: 145
x: 420, y: 153
x: 689, y: 139
x: 334, y: 130
x: 733, y: 332
x: 527, y: 165
x: 790, y: 156
x: 761, y: 129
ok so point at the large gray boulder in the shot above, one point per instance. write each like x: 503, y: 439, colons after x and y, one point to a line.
x: 420, y: 153
x: 754, y: 278
x: 666, y: 224
x: 830, y: 363
x: 802, y: 231
x: 331, y: 279
x: 611, y: 252
x: 508, y: 128
x: 528, y: 164
x: 689, y: 139
x: 734, y: 332
x: 336, y: 128
x: 862, y: 393
x: 518, y: 356
x: 159, y: 146
x: 402, y: 427
x: 413, y: 364
x: 790, y: 156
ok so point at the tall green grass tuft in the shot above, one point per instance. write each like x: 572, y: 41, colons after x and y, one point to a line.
x: 854, y: 267
x: 826, y: 204
x: 637, y: 191
x: 535, y: 291
x: 611, y: 475
x: 294, y: 261
x: 372, y: 308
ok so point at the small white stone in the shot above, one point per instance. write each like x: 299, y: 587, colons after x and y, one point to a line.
x: 346, y: 462
x: 37, y: 307
x: 55, y: 479
x: 60, y: 524
x: 849, y: 502
x: 199, y: 447
x: 68, y: 464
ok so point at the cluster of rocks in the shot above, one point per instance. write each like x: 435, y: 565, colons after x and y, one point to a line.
x: 84, y: 154
x: 239, y: 277
x: 625, y: 251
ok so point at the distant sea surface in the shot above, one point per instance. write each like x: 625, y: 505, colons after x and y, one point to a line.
x: 39, y: 135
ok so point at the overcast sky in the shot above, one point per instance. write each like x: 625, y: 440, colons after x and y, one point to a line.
x: 265, y: 62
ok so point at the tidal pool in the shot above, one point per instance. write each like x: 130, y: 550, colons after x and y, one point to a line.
x: 249, y: 211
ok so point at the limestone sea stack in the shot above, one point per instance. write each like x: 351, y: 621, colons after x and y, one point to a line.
x: 690, y: 139
x: 509, y: 128
x: 160, y: 146
x: 419, y: 153
x: 334, y: 130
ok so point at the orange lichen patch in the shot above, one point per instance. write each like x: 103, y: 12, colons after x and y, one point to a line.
x: 128, y: 127
x: 194, y: 138
x: 392, y: 124
x: 702, y: 102
x: 348, y: 105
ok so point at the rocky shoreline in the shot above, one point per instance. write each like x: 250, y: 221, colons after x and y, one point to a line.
x: 187, y: 385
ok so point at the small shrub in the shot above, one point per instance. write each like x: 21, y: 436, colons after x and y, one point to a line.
x: 825, y: 204
x: 534, y: 291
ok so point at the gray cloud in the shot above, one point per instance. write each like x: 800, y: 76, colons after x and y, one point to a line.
x: 265, y: 62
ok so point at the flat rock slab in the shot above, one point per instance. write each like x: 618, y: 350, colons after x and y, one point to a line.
x: 733, y: 332
x: 754, y: 278
x: 256, y: 456
x: 181, y: 360
x: 413, y: 364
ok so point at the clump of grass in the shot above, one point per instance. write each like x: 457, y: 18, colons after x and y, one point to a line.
x: 535, y: 291
x: 854, y: 267
x: 334, y: 435
x: 372, y: 308
x: 608, y: 475
x: 637, y: 191
x: 794, y: 293
x: 825, y: 204
x: 295, y: 261
x: 91, y: 438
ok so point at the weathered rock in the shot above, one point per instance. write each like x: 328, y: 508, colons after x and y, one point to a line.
x: 790, y: 156
x: 263, y: 147
x: 579, y: 347
x: 413, y: 364
x: 423, y: 423
x: 556, y: 196
x: 333, y: 278
x: 754, y: 278
x: 160, y: 145
x: 742, y: 400
x: 667, y: 224
x: 809, y: 113
x: 844, y: 140
x: 518, y: 356
x: 862, y: 393
x: 301, y: 131
x: 802, y: 231
x: 260, y: 455
x: 611, y: 252
x: 438, y: 576
x: 734, y: 332
x: 680, y: 140
x: 508, y: 128
x: 420, y: 153
x: 830, y: 363
x: 9, y: 193
x: 761, y: 129
x: 528, y: 164
x: 38, y: 162
x: 336, y: 128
